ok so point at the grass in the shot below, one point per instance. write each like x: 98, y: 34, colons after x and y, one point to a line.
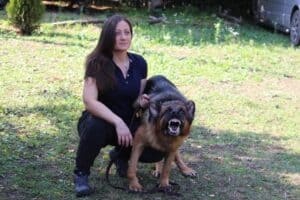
x: 245, y: 80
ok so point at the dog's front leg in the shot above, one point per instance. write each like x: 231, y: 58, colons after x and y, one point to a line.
x: 164, y: 178
x: 137, y: 149
x: 185, y: 170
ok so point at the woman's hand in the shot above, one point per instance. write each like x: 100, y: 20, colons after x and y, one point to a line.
x: 124, y: 135
x: 144, y: 100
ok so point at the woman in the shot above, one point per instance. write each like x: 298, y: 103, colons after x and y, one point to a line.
x: 114, y: 79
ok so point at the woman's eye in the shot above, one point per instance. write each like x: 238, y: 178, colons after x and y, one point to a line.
x: 118, y: 33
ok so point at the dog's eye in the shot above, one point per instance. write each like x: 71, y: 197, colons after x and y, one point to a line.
x: 169, y: 109
x: 181, y: 112
x: 165, y: 111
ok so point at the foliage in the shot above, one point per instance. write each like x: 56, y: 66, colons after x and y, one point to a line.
x: 25, y: 14
x: 245, y: 141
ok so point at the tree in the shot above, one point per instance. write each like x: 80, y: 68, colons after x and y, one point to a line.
x: 25, y: 15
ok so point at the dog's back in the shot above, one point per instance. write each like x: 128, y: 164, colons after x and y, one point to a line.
x: 159, y: 88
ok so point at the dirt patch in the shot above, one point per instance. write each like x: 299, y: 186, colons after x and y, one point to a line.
x: 293, y: 178
x: 265, y: 90
x: 270, y: 88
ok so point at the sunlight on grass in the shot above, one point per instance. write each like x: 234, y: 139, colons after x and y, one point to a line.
x: 244, y: 79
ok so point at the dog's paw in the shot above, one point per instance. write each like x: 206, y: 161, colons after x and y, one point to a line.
x: 189, y: 172
x: 155, y: 173
x: 165, y: 188
x: 135, y: 187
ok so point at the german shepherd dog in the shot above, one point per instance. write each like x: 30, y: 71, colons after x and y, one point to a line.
x: 165, y: 125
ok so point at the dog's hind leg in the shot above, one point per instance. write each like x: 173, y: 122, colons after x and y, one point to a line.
x: 158, y: 169
x: 184, y: 169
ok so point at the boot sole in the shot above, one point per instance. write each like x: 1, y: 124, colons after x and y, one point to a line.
x: 84, y: 193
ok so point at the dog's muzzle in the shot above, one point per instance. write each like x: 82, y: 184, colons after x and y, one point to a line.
x: 174, y: 127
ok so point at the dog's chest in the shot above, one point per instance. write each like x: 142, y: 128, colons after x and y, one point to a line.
x: 163, y: 143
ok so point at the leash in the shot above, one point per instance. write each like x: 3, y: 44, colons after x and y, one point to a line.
x: 115, y: 157
x: 172, y: 190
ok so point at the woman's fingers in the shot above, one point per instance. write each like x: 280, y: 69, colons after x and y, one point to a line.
x: 144, y: 100
x: 146, y: 97
x: 124, y: 135
x: 128, y: 140
x: 125, y: 140
x: 120, y: 140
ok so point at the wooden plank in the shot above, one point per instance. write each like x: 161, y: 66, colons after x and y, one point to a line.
x: 82, y: 21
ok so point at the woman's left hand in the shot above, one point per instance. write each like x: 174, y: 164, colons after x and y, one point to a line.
x: 144, y: 100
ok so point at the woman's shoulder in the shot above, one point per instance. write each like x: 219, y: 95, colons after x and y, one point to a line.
x: 136, y: 58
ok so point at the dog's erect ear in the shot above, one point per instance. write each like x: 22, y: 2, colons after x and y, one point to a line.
x: 153, y: 111
x: 190, y: 105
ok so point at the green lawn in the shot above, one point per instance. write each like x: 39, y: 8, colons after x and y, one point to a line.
x: 245, y: 80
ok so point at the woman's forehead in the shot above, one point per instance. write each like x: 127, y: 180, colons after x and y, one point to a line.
x: 122, y: 25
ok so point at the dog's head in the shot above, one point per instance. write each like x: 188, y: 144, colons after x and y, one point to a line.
x: 173, y: 117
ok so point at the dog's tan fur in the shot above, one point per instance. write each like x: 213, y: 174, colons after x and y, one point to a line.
x: 151, y: 134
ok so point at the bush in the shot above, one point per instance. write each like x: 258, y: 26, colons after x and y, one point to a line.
x: 25, y: 15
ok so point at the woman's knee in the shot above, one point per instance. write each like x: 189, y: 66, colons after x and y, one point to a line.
x: 96, y: 129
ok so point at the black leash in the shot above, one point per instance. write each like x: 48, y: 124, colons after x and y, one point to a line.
x: 112, y: 160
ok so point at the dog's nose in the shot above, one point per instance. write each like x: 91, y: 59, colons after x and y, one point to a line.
x: 174, y: 113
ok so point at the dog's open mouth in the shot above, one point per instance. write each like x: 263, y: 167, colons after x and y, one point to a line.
x: 174, y: 127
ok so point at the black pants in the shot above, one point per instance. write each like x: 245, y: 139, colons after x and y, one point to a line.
x: 95, y: 133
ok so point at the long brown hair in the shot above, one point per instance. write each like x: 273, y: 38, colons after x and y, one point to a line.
x: 99, y: 64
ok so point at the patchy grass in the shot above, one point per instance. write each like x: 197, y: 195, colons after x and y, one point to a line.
x: 245, y: 143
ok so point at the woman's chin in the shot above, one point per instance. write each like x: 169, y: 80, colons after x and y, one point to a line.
x: 120, y: 49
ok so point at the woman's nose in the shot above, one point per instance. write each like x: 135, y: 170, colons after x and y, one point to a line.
x: 122, y: 35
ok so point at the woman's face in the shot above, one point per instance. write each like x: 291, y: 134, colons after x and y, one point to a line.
x: 123, y: 36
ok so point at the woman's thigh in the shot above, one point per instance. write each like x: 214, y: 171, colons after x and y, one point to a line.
x: 97, y: 130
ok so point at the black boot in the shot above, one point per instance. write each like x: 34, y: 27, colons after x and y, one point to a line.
x: 82, y: 187
x: 120, y: 163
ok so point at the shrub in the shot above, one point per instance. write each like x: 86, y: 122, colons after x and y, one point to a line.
x: 25, y: 15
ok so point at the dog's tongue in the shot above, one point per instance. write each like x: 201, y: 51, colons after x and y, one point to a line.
x: 174, y: 126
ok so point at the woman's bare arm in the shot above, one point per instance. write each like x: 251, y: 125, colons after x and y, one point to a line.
x: 98, y: 109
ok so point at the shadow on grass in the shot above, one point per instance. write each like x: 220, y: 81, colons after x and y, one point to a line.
x: 38, y: 163
x: 242, y: 165
x: 82, y: 41
x: 194, y: 27
x: 191, y: 30
x: 216, y: 31
x: 35, y: 158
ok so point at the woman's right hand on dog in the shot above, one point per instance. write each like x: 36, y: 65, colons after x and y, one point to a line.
x: 124, y: 135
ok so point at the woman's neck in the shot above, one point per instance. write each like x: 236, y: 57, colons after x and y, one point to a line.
x: 120, y: 57
x: 122, y: 61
